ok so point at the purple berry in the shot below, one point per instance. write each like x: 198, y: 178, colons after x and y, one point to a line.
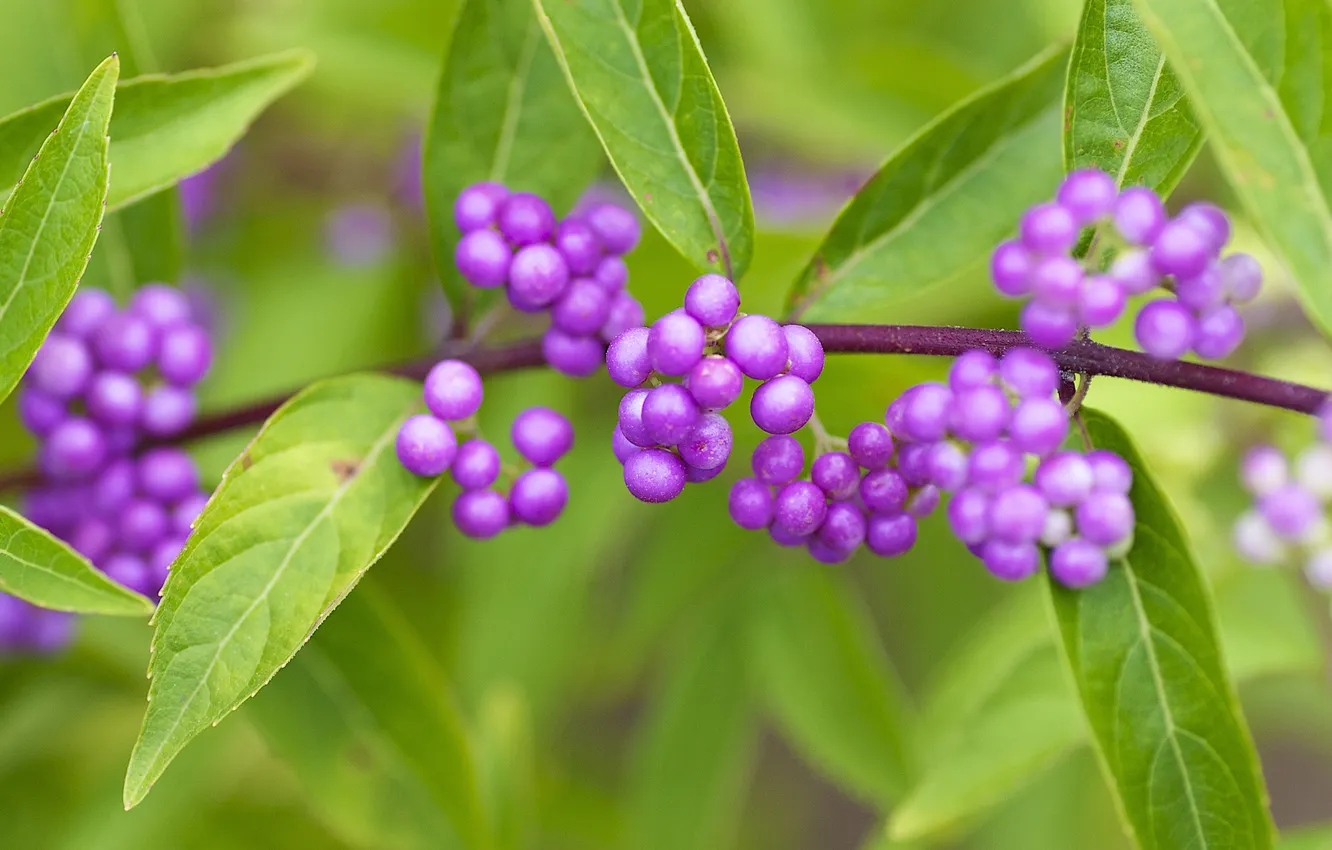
x: 167, y: 410
x: 125, y: 342
x: 62, y: 368
x: 669, y: 413
x: 39, y: 411
x: 694, y: 475
x: 1010, y: 561
x: 757, y: 344
x: 160, y: 305
x: 969, y: 516
x: 707, y: 446
x: 1220, y: 332
x: 1017, y: 514
x: 675, y: 343
x: 627, y: 358
x: 778, y: 460
x: 478, y: 205
x: 93, y: 538
x: 186, y: 513
x: 843, y: 529
x: 538, y: 275
x: 1088, y: 194
x: 800, y: 508
x: 1165, y: 329
x: 1029, y: 373
x: 143, y: 524
x: 1049, y: 229
x: 620, y: 445
x: 1210, y: 221
x: 924, y: 501
x: 1038, y: 426
x: 167, y: 474
x: 927, y: 413
x: 654, y: 475
x: 870, y: 445
x: 995, y: 465
x: 129, y: 571
x: 480, y: 514
x: 575, y: 356
x: 750, y: 504
x: 625, y: 313
x: 782, y: 405
x: 1056, y: 281
x: 453, y: 390
x: 804, y: 353
x: 526, y: 219
x: 836, y: 474
x: 164, y: 554
x: 1180, y: 250
x: 611, y: 274
x: 884, y: 491
x: 1292, y: 511
x: 913, y: 463
x: 582, y: 309
x: 1049, y: 326
x: 1105, y: 518
x: 1101, y: 301
x: 74, y: 449
x: 631, y: 419
x: 823, y: 553
x: 1078, y: 563
x: 184, y: 354
x: 476, y: 465
x: 114, y: 398
x: 715, y: 382
x: 1065, y: 478
x: 426, y: 446
x: 979, y: 414
x: 483, y: 259
x: 713, y: 300
x: 538, y: 496
x: 1242, y: 277
x: 577, y: 241
x: 86, y: 312
x: 947, y: 465
x: 1139, y: 215
x: 1263, y: 470
x: 1010, y: 268
x: 542, y: 435
x: 782, y: 537
x: 890, y: 535
x: 1133, y: 269
x: 615, y: 226
x: 972, y: 369
x: 1202, y: 291
x: 113, y: 487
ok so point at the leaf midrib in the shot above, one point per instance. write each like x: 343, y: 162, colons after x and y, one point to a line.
x: 1142, y: 124
x: 71, y: 580
x: 514, y: 102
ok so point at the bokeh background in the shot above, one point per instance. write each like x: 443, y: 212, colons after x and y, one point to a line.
x: 616, y: 661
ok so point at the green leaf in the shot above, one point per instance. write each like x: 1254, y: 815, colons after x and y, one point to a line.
x: 299, y: 517
x: 821, y: 669
x: 49, y: 223
x: 1143, y: 649
x: 366, y: 720
x: 1308, y: 838
x: 502, y: 112
x: 166, y: 127
x: 507, y: 767
x: 639, y: 73
x: 1255, y: 72
x: 38, y: 567
x: 940, y: 203
x: 1125, y: 110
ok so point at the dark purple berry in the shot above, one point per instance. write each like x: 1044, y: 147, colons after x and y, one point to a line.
x: 804, y: 353
x: 483, y: 259
x: 631, y: 418
x: 143, y: 524
x: 114, y: 398
x: 654, y: 475
x: 620, y: 445
x: 480, y: 514
x: 538, y: 274
x: 627, y: 358
x: 86, y: 312
x: 715, y: 382
x: 542, y: 435
x: 74, y: 449
x: 62, y: 368
x: 800, y: 508
x: 843, y: 529
x: 582, y: 309
x: 625, y: 313
x: 778, y: 460
x: 884, y: 491
x: 615, y: 226
x: 712, y: 300
x: 1048, y: 229
x: 426, y: 445
x: 525, y: 219
x: 538, y: 496
x: 478, y: 205
x: 1010, y: 268
x: 1011, y: 561
x: 577, y: 241
x: 39, y: 412
x: 969, y: 516
x: 575, y: 356
x: 669, y: 413
x: 453, y: 390
x: 160, y: 305
x: 890, y: 535
x: 751, y: 504
x: 1077, y: 563
x: 757, y: 344
x: 476, y: 465
x: 707, y: 445
x: 184, y: 354
x: 675, y: 343
x: 167, y: 410
x: 782, y: 405
x: 167, y: 474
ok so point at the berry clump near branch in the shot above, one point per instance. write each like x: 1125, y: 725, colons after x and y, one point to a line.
x: 493, y: 497
x: 106, y: 384
x: 1135, y: 249
x: 673, y: 433
x: 572, y: 269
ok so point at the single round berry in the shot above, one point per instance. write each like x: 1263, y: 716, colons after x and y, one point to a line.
x: 620, y: 445
x: 1065, y: 479
x: 480, y: 514
x: 538, y: 274
x: 890, y: 535
x: 426, y: 446
x: 453, y: 390
x: 167, y: 474
x: 1101, y: 301
x: 757, y: 344
x: 843, y: 529
x: 74, y: 449
x: 669, y: 413
x: 611, y: 274
x: 538, y: 496
x: 1241, y: 277
x: 184, y: 354
x: 1135, y: 273
x: 1017, y: 514
x: 969, y: 516
x: 575, y: 356
x: 1029, y: 373
x: 478, y: 205
x: 631, y: 419
x: 1048, y: 229
x: 1165, y: 329
x: 62, y: 368
x: 1220, y: 332
x: 476, y: 465
x: 483, y: 259
x: 625, y: 313
x: 1139, y: 215
x: 836, y: 474
x: 1210, y: 221
x: 39, y: 411
x: 143, y: 524
x: 1038, y: 426
x: 675, y: 343
x: 713, y: 300
x: 1292, y: 511
x: 577, y: 241
x: 695, y: 475
x: 186, y: 513
x: 1049, y: 326
x: 1202, y: 291
x: 542, y: 435
x: 913, y: 461
x: 750, y: 504
x: 627, y: 358
x: 1110, y: 472
x: 708, y: 444
x: 979, y: 414
x: 995, y: 465
x: 1180, y: 250
x: 615, y: 226
x: 778, y: 460
x: 1058, y: 527
x: 525, y: 219
x: 125, y: 342
x: 893, y: 416
x: 870, y: 445
x: 782, y: 537
x: 1088, y: 194
x: 972, y: 369
x: 114, y: 487
x: 167, y: 410
x: 86, y: 312
x: 947, y: 464
x: 884, y: 491
x: 1010, y: 561
x: 160, y: 305
x: 654, y: 475
x: 924, y: 501
x: 928, y: 410
x: 804, y: 353
x: 715, y: 382
x: 1078, y: 563
x: 1105, y: 518
x: 582, y: 309
x: 129, y: 571
x: 824, y: 553
x: 93, y: 538
x: 1056, y: 281
x: 782, y: 405
x: 114, y: 398
x: 163, y: 555
x: 800, y: 508
x: 1010, y: 268
x: 1257, y: 541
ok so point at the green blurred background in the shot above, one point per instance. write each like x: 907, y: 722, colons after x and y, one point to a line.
x: 611, y: 661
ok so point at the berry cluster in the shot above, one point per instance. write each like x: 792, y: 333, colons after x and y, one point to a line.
x: 428, y: 446
x: 1289, y: 519
x: 1181, y: 255
x: 670, y: 434
x: 105, y: 382
x: 573, y: 269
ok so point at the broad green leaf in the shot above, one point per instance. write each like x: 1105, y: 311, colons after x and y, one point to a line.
x: 502, y: 112
x: 1143, y: 649
x: 38, y: 567
x: 299, y: 517
x: 166, y: 127
x: 507, y: 767
x: 1308, y: 838
x: 1256, y: 74
x: 367, y: 722
x: 822, y: 671
x: 1125, y: 111
x: 49, y: 223
x: 639, y: 73
x: 940, y: 203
